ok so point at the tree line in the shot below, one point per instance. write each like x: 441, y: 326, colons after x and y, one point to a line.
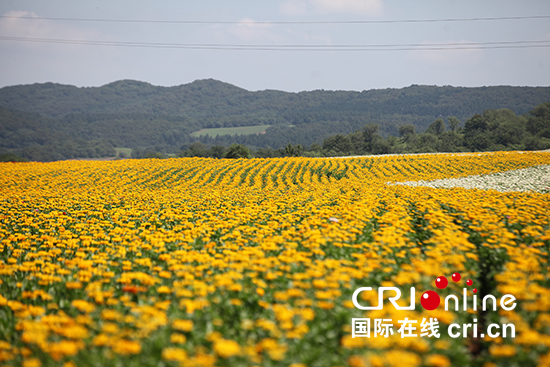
x: 493, y: 130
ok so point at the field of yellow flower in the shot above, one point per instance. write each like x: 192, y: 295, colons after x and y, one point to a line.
x: 253, y: 262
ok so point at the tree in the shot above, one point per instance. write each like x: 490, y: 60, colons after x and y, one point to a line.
x: 216, y: 151
x: 475, y: 124
x: 197, y: 149
x: 539, y: 121
x: 152, y: 154
x: 237, y: 151
x: 341, y: 144
x: 436, y: 127
x: 293, y: 150
x: 406, y: 130
x: 380, y: 146
x: 370, y: 135
x: 369, y: 131
x: 426, y: 143
x: 454, y: 123
x: 357, y: 142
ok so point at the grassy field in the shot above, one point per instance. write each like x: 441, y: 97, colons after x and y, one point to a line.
x: 241, y: 130
x: 254, y: 262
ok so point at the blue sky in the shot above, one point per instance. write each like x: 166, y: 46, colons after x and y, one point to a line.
x: 468, y: 63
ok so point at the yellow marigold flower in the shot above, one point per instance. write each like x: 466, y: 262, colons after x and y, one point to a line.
x: 107, y: 314
x: 442, y: 344
x: 64, y: 348
x: 174, y: 354
x: 73, y: 285
x: 110, y: 328
x: 400, y: 358
x: 213, y: 336
x: 165, y: 274
x: 376, y: 361
x: 163, y: 290
x: 227, y: 348
x: 32, y: 362
x: 348, y: 304
x: 260, y: 291
x: 277, y: 353
x: 125, y: 347
x: 236, y: 302
x: 36, y: 310
x: 183, y: 325
x: 74, y: 332
x: 83, y: 306
x: 202, y: 360
x: 438, y: 360
x: 101, y: 340
x: 502, y: 350
x: 177, y: 338
x: 356, y: 361
x: 325, y: 305
x: 6, y: 355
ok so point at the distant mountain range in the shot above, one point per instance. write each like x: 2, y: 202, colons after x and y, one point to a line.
x: 135, y: 114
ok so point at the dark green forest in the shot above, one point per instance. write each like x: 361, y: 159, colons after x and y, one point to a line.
x: 493, y: 130
x: 46, y: 122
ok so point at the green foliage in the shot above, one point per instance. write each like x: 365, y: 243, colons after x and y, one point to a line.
x: 406, y: 130
x: 52, y: 121
x: 454, y: 123
x: 237, y: 151
x: 293, y: 150
x: 10, y: 157
x: 198, y: 149
x: 240, y: 130
x: 437, y: 127
x: 147, y: 153
x: 493, y: 130
x: 341, y: 144
x: 539, y: 122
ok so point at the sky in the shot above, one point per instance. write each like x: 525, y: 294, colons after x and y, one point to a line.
x: 290, y: 45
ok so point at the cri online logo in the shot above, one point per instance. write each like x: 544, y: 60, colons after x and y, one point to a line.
x: 430, y: 300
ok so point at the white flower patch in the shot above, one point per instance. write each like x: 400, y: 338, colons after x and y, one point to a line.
x: 527, y: 179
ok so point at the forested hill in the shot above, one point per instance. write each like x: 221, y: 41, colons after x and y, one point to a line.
x: 135, y: 114
x: 214, y: 99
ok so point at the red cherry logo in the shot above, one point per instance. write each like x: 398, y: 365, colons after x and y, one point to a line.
x: 469, y: 282
x: 455, y: 277
x: 430, y: 300
x: 441, y: 282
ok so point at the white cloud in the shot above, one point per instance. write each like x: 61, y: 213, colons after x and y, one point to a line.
x: 362, y: 7
x: 17, y: 25
x: 359, y: 7
x: 249, y: 31
x: 450, y: 53
x: 294, y: 7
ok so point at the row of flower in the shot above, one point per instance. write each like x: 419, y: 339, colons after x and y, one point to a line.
x: 203, y: 262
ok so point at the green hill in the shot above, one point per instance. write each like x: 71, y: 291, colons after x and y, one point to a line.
x: 139, y: 115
